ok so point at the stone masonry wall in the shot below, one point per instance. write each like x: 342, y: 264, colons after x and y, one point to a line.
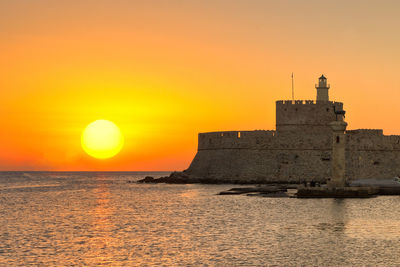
x: 370, y: 154
x: 261, y: 156
x: 305, y: 116
x: 268, y: 156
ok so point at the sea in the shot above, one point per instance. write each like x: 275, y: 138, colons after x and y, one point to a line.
x: 106, y: 219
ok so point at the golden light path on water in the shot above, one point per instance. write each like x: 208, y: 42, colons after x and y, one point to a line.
x: 102, y: 215
x: 94, y: 218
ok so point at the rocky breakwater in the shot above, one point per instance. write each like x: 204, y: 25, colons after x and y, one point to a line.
x: 184, y: 178
x: 173, y: 178
x: 272, y: 190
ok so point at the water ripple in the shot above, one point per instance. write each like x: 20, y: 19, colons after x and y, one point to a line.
x: 82, y: 219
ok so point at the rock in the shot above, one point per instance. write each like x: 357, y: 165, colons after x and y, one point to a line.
x: 231, y: 192
x: 147, y: 179
x: 173, y: 178
x: 263, y: 191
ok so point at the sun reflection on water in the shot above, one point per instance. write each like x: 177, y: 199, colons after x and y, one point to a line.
x: 103, y: 220
x: 100, y: 246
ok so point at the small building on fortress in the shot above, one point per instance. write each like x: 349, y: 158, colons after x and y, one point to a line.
x: 300, y: 149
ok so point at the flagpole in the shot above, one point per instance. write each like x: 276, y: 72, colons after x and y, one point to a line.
x: 292, y: 87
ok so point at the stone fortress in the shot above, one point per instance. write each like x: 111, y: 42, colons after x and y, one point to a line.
x: 300, y: 149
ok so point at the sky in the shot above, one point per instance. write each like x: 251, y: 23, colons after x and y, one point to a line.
x: 163, y: 71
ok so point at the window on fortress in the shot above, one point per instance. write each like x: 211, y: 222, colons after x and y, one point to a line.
x: 327, y: 109
x: 238, y: 134
x: 337, y: 139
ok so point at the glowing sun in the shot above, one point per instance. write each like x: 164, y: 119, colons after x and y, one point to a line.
x: 102, y: 139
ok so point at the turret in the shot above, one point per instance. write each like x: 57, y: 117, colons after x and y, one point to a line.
x: 338, y: 178
x: 322, y: 89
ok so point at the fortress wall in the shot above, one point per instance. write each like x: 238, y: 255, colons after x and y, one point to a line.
x: 233, y: 165
x: 234, y: 139
x: 365, y: 132
x: 267, y: 156
x: 262, y: 140
x: 371, y: 154
x: 393, y: 141
x: 288, y: 165
x: 372, y: 139
x: 305, y: 116
x: 262, y: 156
x: 378, y: 164
x: 304, y: 129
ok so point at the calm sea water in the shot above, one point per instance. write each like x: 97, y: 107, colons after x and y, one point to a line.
x: 49, y: 219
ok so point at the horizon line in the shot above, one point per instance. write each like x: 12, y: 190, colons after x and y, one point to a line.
x: 73, y: 171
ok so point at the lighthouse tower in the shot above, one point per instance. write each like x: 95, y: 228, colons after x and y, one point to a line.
x: 322, y: 89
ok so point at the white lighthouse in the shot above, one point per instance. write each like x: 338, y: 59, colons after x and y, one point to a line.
x: 322, y: 89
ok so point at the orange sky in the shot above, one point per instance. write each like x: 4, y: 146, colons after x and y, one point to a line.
x: 165, y: 70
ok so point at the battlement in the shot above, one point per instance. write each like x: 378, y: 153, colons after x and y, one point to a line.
x: 308, y: 102
x: 236, y: 134
x: 372, y: 139
x: 234, y: 139
x: 260, y: 140
x: 366, y: 132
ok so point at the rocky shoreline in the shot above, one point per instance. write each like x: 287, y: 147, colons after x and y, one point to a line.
x: 258, y: 188
x: 184, y: 178
x: 262, y: 190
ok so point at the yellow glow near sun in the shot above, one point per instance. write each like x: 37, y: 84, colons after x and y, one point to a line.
x: 102, y: 139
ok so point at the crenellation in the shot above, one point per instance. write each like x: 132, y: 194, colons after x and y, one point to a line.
x: 365, y: 132
x: 234, y: 139
x: 308, y: 102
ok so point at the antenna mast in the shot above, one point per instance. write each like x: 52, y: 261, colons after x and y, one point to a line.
x: 292, y: 87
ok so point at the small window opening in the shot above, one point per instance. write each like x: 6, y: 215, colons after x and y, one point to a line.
x: 376, y: 162
x: 337, y: 139
x: 327, y: 109
x: 238, y: 134
x: 222, y: 134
